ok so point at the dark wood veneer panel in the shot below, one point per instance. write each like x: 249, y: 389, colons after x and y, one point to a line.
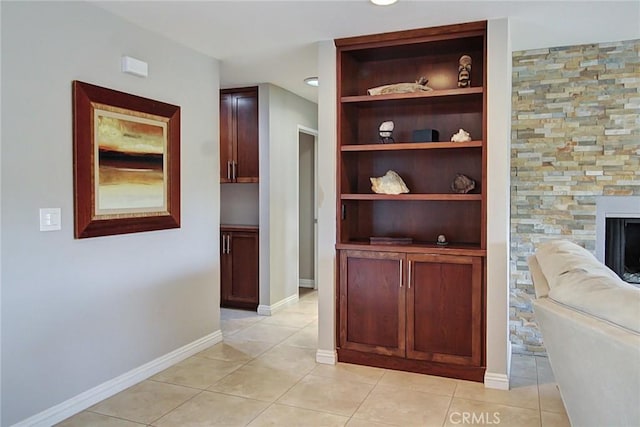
x: 372, y: 313
x: 239, y: 279
x: 247, y: 131
x: 372, y: 316
x: 442, y: 307
x: 425, y: 171
x: 421, y: 220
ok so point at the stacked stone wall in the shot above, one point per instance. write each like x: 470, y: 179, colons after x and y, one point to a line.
x: 575, y: 136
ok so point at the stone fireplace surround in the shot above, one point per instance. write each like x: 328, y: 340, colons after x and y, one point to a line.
x: 575, y: 139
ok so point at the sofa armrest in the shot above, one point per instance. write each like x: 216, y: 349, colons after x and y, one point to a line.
x: 596, y: 365
x: 539, y: 281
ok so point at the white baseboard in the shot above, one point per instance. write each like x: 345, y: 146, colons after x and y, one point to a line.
x: 499, y: 381
x: 496, y: 381
x: 509, y: 355
x: 307, y: 283
x: 326, y: 357
x: 268, y: 310
x: 84, y: 400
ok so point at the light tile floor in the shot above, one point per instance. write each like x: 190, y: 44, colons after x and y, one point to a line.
x: 264, y: 374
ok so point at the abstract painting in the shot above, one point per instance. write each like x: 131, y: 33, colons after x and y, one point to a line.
x: 126, y: 162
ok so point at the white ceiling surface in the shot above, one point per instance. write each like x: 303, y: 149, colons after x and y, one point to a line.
x: 275, y: 41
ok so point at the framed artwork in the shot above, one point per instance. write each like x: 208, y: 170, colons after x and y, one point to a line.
x: 126, y: 161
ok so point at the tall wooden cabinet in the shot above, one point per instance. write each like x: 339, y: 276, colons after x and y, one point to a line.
x: 239, y: 267
x: 411, y: 303
x: 239, y: 135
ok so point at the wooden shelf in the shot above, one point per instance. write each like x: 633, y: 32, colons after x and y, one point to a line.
x: 417, y: 247
x: 423, y: 197
x: 397, y: 146
x: 413, y: 96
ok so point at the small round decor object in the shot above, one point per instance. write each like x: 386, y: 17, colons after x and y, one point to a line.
x: 442, y: 240
x: 386, y: 132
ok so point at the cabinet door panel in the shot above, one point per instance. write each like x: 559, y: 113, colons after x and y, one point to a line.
x: 226, y: 268
x: 226, y: 137
x: 244, y: 252
x: 444, y: 305
x: 239, y: 281
x: 372, y: 315
x: 247, y: 137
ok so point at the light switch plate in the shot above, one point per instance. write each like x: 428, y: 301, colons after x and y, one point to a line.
x: 50, y: 219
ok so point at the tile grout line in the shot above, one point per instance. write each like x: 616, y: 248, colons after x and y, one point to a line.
x: 170, y: 411
x: 207, y: 388
x: 287, y: 390
x: 450, y: 404
x: 538, y: 390
x: 367, y: 396
x: 115, y: 417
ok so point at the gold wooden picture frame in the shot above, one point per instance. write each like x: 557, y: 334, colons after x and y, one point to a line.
x: 126, y: 157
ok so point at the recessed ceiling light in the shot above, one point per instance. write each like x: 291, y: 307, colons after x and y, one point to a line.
x: 383, y: 2
x: 311, y: 81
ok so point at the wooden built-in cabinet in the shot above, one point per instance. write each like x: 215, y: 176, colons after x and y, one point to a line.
x: 239, y: 267
x: 415, y: 306
x: 239, y: 135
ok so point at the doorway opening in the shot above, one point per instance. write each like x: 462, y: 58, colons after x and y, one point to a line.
x: 307, y: 208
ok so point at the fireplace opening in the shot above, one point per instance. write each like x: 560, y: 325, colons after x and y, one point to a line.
x: 622, y: 248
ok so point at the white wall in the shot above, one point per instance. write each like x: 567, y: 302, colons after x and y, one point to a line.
x: 77, y: 313
x: 498, y: 349
x: 326, y: 199
x: 239, y: 204
x: 279, y: 189
x: 0, y: 226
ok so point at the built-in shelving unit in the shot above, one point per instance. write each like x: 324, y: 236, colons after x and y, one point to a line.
x: 409, y: 278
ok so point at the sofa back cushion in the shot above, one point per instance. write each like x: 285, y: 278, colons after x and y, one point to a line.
x: 558, y: 257
x: 577, y: 279
x: 601, y: 296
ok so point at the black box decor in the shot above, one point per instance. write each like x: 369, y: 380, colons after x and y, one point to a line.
x: 425, y: 135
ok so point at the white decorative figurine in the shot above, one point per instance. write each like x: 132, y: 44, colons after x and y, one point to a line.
x: 386, y: 131
x: 390, y: 183
x: 461, y: 136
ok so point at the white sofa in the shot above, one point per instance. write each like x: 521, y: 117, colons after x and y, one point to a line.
x: 590, y: 324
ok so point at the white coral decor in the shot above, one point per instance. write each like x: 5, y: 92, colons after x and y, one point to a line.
x: 390, y: 183
x: 461, y: 136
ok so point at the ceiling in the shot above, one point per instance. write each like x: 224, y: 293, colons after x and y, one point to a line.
x: 275, y: 41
